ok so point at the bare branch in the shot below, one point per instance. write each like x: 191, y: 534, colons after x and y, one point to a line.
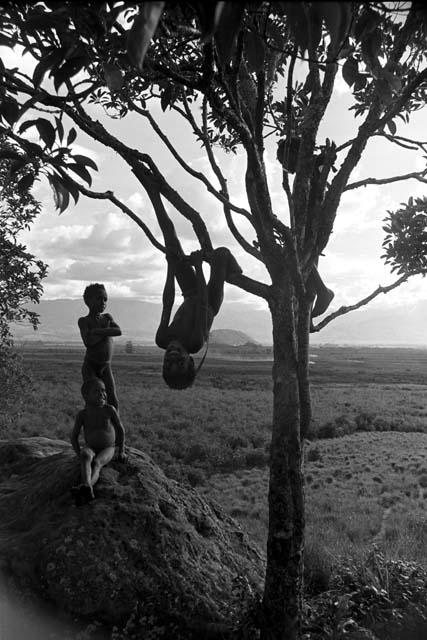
x: 363, y: 183
x: 185, y: 165
x: 249, y: 248
x: 406, y: 143
x: 109, y: 195
x: 343, y: 310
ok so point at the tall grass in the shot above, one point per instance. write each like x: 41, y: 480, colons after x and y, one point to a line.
x: 368, y: 485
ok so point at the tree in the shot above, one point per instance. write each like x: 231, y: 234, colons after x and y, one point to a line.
x: 20, y: 273
x: 236, y: 73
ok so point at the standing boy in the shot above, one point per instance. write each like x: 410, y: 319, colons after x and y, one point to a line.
x: 97, y: 330
x: 103, y: 431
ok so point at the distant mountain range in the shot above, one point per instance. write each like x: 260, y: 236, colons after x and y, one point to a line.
x: 138, y: 320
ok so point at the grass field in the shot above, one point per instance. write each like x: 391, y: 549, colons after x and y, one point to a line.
x: 366, y: 462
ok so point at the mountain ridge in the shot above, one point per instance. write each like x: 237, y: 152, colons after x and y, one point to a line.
x: 139, y: 320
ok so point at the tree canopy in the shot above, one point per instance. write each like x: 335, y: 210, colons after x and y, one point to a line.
x: 229, y: 60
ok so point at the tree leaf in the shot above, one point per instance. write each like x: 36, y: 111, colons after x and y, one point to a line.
x: 72, y: 188
x: 167, y: 96
x: 68, y: 70
x: 57, y: 197
x: 350, y: 71
x: 46, y: 131
x: 47, y: 62
x: 360, y: 82
x: 17, y: 164
x: 59, y: 128
x: 391, y: 125
x: 81, y: 171
x: 143, y: 29
x: 61, y: 194
x: 9, y: 154
x: 26, y: 182
x: 65, y: 196
x: 72, y: 135
x: 9, y: 109
x: 84, y: 160
x: 113, y: 76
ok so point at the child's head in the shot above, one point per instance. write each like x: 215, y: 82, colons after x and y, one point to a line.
x: 93, y: 391
x: 179, y: 371
x: 95, y: 296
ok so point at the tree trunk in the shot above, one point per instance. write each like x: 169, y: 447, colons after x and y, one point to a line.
x: 283, y: 585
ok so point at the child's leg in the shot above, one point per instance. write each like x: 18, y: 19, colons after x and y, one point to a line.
x: 88, y: 370
x: 110, y: 386
x: 86, y: 457
x: 324, y: 295
x: 185, y: 275
x: 101, y: 459
x: 223, y: 264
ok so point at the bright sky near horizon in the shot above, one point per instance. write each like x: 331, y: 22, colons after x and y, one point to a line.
x: 95, y: 242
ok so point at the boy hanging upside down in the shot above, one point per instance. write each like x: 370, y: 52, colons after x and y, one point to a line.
x: 189, y: 329
x: 103, y: 431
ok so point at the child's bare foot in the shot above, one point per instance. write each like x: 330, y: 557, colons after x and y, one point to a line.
x: 323, y: 300
x: 196, y: 257
x: 82, y: 494
x: 233, y: 267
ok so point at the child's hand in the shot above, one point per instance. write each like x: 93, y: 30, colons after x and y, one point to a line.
x: 196, y: 257
x: 122, y: 457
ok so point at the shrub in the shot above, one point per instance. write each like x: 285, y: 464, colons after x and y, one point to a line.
x: 194, y: 453
x: 256, y: 458
x: 344, y: 426
x: 378, y: 598
x: 388, y: 596
x: 327, y: 430
x: 318, y: 569
x: 364, y: 422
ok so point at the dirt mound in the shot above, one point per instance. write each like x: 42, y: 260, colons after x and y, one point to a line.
x: 147, y: 549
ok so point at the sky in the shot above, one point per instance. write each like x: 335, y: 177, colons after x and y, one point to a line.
x: 94, y: 242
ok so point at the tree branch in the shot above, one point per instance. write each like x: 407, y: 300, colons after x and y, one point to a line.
x: 363, y: 183
x: 343, y: 310
x: 368, y: 128
x: 249, y: 248
x: 401, y: 141
x: 109, y: 195
x: 185, y: 165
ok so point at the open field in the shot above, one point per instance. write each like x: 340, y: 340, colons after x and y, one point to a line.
x: 369, y: 485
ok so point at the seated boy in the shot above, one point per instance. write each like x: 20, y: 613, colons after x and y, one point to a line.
x: 103, y: 431
x: 97, y: 330
x: 189, y: 329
